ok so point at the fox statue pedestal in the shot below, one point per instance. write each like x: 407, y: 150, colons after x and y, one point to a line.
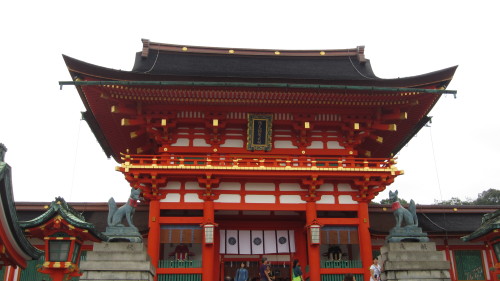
x: 410, y: 261
x: 117, y: 261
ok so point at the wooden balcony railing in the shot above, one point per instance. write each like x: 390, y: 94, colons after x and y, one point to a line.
x: 249, y: 161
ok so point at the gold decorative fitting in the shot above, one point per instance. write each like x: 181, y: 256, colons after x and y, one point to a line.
x: 351, y: 153
x: 455, y: 209
x: 356, y: 126
x: 303, y: 152
x: 322, y: 53
x: 392, y: 127
x: 277, y: 53
x: 215, y: 122
x: 231, y: 51
x: 380, y: 139
x: 385, y: 209
x: 125, y: 122
x: 164, y: 122
x: 46, y: 206
x: 165, y: 149
x: 184, y: 49
x: 215, y: 149
x: 307, y: 125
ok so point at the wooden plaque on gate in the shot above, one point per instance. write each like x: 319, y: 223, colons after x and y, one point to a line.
x: 259, y: 133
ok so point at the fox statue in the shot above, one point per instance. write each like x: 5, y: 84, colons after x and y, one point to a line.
x: 409, y: 217
x: 116, y: 215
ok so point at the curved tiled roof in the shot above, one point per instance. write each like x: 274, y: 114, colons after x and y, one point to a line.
x: 9, y: 220
x: 60, y: 207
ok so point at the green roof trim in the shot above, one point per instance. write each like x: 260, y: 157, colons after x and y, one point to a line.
x: 256, y: 85
x: 9, y: 209
x: 490, y: 222
x: 60, y: 207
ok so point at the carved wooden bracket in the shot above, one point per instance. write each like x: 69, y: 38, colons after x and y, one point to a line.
x: 311, y: 184
x: 208, y: 183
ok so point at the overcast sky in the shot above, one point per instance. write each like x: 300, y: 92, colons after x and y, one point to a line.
x: 53, y: 153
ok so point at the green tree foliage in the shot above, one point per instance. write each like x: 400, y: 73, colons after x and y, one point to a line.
x: 453, y: 201
x: 388, y: 201
x: 488, y: 197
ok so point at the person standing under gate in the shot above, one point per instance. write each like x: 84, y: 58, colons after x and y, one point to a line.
x: 296, y: 271
x: 263, y: 270
x: 375, y: 270
x: 241, y: 273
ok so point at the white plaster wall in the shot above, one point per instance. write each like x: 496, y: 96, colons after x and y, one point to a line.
x: 333, y: 145
x: 326, y: 187
x: 233, y: 143
x: 192, y: 185
x: 229, y: 186
x: 316, y: 145
x: 172, y: 197
x: 173, y: 185
x: 284, y: 144
x: 260, y: 199
x: 200, y: 142
x: 192, y: 197
x: 346, y: 199
x: 290, y: 187
x: 290, y: 199
x: 344, y: 187
x: 181, y: 142
x: 326, y: 199
x: 259, y: 186
x: 229, y: 198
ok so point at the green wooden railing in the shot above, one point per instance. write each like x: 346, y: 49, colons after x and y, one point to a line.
x: 179, y: 277
x: 469, y: 265
x: 339, y: 277
x: 179, y: 264
x: 30, y: 273
x: 342, y: 264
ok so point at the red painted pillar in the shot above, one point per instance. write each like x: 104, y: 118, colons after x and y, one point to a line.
x: 10, y: 273
x: 365, y: 241
x: 208, y: 249
x: 154, y: 232
x: 313, y: 250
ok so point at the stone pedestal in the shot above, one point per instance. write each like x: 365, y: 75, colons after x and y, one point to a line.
x: 407, y: 234
x: 117, y: 261
x: 410, y: 261
x: 123, y: 234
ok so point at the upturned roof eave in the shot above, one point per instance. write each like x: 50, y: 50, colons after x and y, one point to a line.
x: 57, y: 209
x: 9, y: 210
x: 76, y: 67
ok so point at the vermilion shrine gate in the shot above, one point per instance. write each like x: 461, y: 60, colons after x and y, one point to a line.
x: 243, y: 154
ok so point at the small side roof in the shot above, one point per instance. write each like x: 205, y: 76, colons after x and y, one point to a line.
x: 61, y: 208
x: 12, y: 238
x: 489, y: 224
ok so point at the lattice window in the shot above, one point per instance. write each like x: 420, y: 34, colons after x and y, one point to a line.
x: 469, y: 264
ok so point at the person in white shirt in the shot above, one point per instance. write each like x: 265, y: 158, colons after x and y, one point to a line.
x: 375, y: 270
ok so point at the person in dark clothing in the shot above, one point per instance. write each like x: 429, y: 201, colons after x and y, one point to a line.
x: 296, y: 271
x: 263, y: 270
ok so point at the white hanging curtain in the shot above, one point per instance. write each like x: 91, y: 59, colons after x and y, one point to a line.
x: 256, y: 242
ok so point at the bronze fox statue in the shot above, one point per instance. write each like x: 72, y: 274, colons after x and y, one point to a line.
x: 409, y: 217
x: 116, y: 215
